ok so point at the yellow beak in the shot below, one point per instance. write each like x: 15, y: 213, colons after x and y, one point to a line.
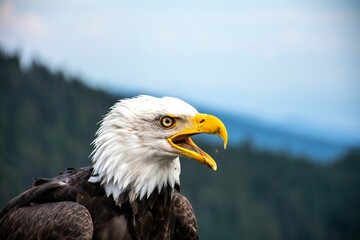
x: 200, y: 123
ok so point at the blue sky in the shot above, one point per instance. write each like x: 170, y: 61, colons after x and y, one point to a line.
x: 293, y: 63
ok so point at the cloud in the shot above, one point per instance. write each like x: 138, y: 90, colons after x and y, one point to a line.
x: 18, y: 28
x: 264, y: 32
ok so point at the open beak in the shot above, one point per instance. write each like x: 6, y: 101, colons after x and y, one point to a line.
x: 200, y: 123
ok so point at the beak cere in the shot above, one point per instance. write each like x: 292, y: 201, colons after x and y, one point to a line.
x: 200, y: 123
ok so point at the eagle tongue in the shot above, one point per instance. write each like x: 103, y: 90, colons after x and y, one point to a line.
x: 189, y: 144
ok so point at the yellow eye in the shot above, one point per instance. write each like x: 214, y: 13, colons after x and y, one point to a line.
x: 167, y: 121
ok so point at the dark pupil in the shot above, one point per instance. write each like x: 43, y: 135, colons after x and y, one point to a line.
x: 167, y: 121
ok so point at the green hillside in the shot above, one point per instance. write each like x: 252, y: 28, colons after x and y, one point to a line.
x: 48, y: 121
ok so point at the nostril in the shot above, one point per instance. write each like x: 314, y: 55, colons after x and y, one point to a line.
x: 202, y: 120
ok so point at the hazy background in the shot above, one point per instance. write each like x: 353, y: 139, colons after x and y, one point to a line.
x: 294, y: 64
x: 284, y: 76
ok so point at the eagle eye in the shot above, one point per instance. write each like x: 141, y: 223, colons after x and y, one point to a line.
x: 167, y: 121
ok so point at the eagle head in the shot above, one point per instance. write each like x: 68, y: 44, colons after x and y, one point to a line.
x: 138, y: 144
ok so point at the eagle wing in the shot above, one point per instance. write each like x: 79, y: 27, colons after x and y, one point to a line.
x: 32, y: 215
x: 185, y: 221
x: 60, y: 220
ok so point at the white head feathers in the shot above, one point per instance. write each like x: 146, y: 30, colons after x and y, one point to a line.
x: 131, y: 151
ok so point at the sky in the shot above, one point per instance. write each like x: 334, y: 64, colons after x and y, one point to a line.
x: 292, y: 63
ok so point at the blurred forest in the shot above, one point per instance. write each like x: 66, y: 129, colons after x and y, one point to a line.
x: 48, y: 121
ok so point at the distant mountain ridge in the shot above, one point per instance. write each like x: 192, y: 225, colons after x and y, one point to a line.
x: 276, y: 138
x: 261, y: 134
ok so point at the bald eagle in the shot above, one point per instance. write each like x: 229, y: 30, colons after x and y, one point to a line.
x: 131, y: 189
